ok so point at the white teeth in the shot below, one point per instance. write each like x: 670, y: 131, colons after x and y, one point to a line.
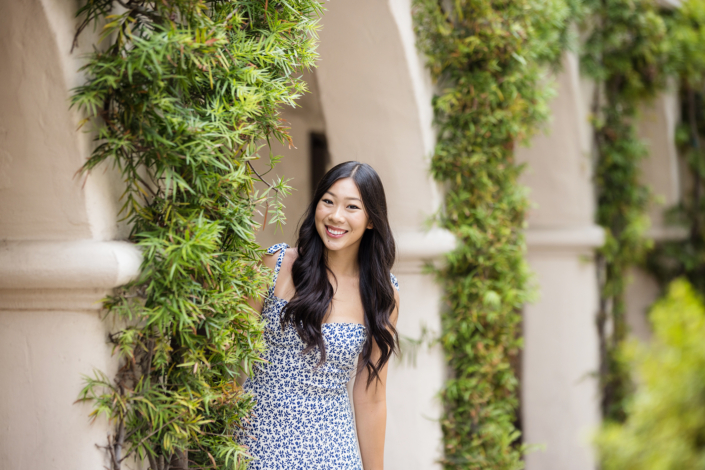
x: 336, y: 232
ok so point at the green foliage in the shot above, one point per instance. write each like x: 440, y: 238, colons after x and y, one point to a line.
x: 665, y: 428
x: 625, y: 52
x: 671, y: 259
x: 686, y: 33
x: 487, y: 57
x: 184, y: 96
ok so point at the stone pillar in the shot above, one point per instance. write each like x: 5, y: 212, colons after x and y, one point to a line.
x: 376, y: 99
x: 52, y: 334
x: 57, y: 254
x: 559, y: 393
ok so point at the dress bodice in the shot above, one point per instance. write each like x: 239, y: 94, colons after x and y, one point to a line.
x: 285, y: 364
x: 291, y: 369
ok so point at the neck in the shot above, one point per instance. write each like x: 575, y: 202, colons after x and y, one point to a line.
x: 344, y: 262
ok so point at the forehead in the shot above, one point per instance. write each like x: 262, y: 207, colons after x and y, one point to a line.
x: 345, y: 188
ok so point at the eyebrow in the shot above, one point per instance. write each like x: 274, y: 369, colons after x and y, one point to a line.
x: 333, y: 194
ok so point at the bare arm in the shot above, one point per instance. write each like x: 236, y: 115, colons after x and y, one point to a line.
x: 371, y: 409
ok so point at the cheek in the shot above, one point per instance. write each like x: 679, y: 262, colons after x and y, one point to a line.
x: 360, y: 223
x: 319, y: 214
x: 319, y: 218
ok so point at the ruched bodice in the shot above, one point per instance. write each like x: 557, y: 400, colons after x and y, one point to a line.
x: 297, y: 372
x: 302, y: 419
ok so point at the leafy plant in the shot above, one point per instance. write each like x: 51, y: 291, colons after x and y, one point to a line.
x: 625, y: 52
x: 488, y: 58
x: 671, y: 259
x: 184, y: 97
x: 665, y: 425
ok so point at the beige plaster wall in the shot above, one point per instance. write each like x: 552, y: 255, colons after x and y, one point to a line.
x: 295, y: 164
x: 373, y: 109
x: 39, y: 152
x: 40, y: 148
x: 642, y: 291
x: 415, y: 378
x: 559, y: 394
x: 57, y: 257
x: 559, y: 170
x: 372, y: 97
x: 44, y: 356
x: 659, y: 170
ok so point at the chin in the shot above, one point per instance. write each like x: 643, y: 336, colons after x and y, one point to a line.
x: 336, y: 245
x: 333, y: 244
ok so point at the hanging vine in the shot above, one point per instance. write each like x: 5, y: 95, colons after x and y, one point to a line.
x: 625, y: 53
x: 487, y: 57
x: 183, y: 97
x: 661, y: 429
x: 672, y: 259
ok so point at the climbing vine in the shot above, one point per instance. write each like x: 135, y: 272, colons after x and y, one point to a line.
x: 660, y: 429
x: 625, y: 53
x: 672, y: 259
x: 183, y: 96
x: 488, y: 59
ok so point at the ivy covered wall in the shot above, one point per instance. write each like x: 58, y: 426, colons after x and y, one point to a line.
x: 485, y: 58
x: 489, y: 61
x: 625, y: 54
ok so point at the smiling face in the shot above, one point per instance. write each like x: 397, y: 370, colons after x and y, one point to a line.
x: 341, y: 219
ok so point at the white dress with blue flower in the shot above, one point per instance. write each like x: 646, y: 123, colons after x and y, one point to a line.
x: 302, y: 419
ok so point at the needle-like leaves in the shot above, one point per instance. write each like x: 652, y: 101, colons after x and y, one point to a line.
x: 183, y: 97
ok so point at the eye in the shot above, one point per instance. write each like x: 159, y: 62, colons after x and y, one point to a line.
x: 353, y: 206
x: 326, y: 201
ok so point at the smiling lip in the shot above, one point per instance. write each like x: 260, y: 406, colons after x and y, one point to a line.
x: 337, y: 233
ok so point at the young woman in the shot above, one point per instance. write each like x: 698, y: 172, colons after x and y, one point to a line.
x: 332, y: 300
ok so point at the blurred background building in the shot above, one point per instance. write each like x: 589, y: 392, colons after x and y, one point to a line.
x: 370, y: 100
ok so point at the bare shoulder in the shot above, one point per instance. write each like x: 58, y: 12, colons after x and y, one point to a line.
x: 283, y: 285
x: 270, y: 260
x: 290, y: 256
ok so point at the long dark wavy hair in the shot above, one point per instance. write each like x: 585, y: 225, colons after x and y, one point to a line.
x: 314, y: 292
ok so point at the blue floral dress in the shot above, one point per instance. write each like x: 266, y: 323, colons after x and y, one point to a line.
x: 302, y: 419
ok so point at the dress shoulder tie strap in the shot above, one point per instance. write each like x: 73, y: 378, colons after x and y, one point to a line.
x: 394, y: 280
x: 270, y: 251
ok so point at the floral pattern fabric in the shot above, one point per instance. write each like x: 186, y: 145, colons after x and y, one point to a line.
x: 302, y: 419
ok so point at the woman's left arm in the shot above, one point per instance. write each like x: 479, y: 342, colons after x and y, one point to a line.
x: 371, y: 408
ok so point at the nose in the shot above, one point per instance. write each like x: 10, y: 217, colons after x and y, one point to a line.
x: 336, y: 216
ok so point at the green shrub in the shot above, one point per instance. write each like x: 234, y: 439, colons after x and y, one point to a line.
x: 665, y: 426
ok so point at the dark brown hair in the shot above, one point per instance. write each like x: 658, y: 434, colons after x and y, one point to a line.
x: 314, y: 292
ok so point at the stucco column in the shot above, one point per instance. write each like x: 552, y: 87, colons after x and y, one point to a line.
x: 376, y: 99
x: 52, y: 334
x: 57, y: 254
x: 559, y: 393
